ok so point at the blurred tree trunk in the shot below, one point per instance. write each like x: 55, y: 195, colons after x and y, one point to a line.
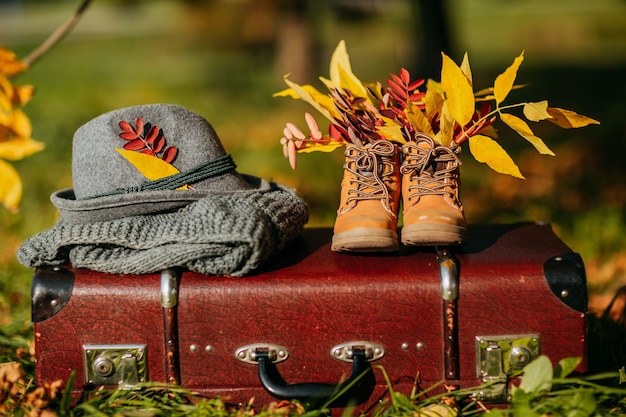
x: 294, y: 42
x: 432, y: 36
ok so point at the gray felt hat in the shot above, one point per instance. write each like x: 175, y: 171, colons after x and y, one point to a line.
x: 107, y: 186
x: 192, y: 211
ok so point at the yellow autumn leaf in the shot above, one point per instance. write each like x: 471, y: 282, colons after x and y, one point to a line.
x: 19, y: 148
x: 151, y: 167
x: 392, y: 133
x: 488, y: 151
x: 446, y: 127
x: 433, y: 99
x: 321, y: 147
x: 536, y: 111
x: 569, y: 119
x: 341, y: 75
x: 9, y: 63
x: 311, y: 96
x: 525, y: 131
x: 418, y: 119
x: 504, y: 82
x: 465, y: 67
x: 10, y: 187
x: 22, y: 94
x: 458, y: 92
x: 19, y: 123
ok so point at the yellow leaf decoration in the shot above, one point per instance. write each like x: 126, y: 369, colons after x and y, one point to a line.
x: 504, y: 82
x: 524, y: 130
x: 418, y: 119
x: 458, y: 92
x: 151, y: 167
x: 10, y: 187
x: 341, y: 75
x: 536, y: 112
x: 569, y: 119
x: 311, y: 96
x: 465, y: 67
x: 321, y: 147
x: 392, y: 133
x: 488, y: 151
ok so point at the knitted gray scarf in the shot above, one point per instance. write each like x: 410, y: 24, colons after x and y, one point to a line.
x: 221, y: 234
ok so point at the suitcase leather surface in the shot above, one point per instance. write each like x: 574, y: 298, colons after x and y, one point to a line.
x: 514, y: 281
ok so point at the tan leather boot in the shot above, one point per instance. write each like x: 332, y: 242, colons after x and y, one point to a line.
x: 433, y: 213
x: 367, y: 219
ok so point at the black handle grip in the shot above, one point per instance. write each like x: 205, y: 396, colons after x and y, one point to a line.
x: 361, y: 383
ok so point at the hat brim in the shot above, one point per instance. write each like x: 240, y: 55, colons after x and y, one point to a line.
x: 146, y: 202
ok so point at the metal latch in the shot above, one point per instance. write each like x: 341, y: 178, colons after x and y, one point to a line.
x: 122, y: 366
x: 248, y: 353
x: 345, y: 351
x: 498, y: 357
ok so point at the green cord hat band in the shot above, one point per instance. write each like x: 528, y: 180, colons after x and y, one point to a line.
x: 209, y: 169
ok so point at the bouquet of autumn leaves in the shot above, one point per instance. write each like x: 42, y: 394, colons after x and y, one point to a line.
x: 449, y: 111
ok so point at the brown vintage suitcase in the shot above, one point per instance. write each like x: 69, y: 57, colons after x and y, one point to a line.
x: 312, y: 318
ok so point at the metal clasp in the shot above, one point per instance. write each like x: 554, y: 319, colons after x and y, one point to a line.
x: 345, y: 351
x: 115, y: 365
x: 248, y: 353
x: 498, y: 357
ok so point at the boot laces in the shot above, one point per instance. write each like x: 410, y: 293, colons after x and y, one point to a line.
x: 372, y: 168
x: 432, y: 169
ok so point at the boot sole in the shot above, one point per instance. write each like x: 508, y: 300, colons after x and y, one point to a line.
x: 433, y: 234
x: 365, y: 240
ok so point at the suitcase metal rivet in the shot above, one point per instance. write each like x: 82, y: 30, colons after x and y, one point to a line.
x: 420, y: 346
x: 193, y: 348
x: 208, y: 348
x: 404, y: 346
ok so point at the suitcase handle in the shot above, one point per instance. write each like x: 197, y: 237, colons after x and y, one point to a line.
x: 357, y: 388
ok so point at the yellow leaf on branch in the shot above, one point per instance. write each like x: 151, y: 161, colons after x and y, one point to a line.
x: 418, y: 119
x: 152, y: 167
x: 341, y: 75
x: 569, y: 119
x: 488, y: 151
x: 19, y: 148
x: 321, y: 147
x: 525, y: 131
x: 10, y: 187
x: 504, y: 82
x: 458, y: 92
x: 536, y: 111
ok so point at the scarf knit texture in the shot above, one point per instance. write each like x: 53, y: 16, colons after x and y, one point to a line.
x: 222, y: 234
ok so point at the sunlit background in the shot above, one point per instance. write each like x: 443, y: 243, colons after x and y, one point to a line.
x: 225, y: 58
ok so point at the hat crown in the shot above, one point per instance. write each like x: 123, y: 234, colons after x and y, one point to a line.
x: 97, y: 168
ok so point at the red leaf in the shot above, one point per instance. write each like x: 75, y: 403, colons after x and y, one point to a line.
x: 397, y: 80
x: 415, y: 84
x: 152, y: 134
x: 148, y: 152
x: 129, y: 135
x: 139, y: 126
x: 406, y: 77
x: 126, y: 127
x: 134, y: 145
x: 170, y: 154
x: 158, y: 144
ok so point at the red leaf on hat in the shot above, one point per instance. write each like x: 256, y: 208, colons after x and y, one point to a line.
x: 134, y: 145
x: 139, y: 126
x: 170, y: 154
x: 153, y: 134
x: 129, y: 135
x: 158, y: 144
x: 126, y: 127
